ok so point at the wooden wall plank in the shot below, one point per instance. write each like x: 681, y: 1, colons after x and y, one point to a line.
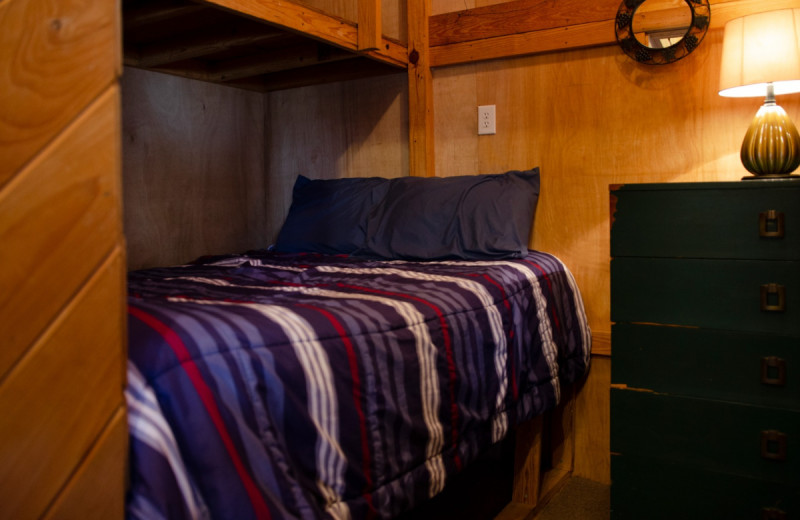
x: 193, y: 167
x: 54, y: 59
x: 57, y: 399
x: 516, y: 17
x: 58, y: 219
x: 97, y: 489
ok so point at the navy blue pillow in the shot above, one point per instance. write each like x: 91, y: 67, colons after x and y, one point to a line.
x: 330, y: 215
x: 469, y: 217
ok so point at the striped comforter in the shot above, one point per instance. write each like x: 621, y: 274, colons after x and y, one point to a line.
x: 305, y: 386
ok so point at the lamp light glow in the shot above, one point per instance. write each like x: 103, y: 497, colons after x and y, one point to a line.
x: 761, y: 57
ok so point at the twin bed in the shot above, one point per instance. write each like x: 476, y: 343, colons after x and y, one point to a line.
x: 324, y: 379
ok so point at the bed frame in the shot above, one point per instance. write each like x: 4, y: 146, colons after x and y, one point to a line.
x: 60, y: 178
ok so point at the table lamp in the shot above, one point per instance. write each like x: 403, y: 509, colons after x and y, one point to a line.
x: 761, y: 57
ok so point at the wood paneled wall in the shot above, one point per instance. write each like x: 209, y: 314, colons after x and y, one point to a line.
x: 193, y: 169
x: 63, y: 436
x: 349, y: 129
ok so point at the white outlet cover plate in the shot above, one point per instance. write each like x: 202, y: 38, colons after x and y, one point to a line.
x: 487, y: 124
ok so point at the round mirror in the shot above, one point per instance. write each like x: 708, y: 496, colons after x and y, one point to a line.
x: 661, y: 31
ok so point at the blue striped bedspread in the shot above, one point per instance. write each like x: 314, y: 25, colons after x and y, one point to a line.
x: 268, y: 385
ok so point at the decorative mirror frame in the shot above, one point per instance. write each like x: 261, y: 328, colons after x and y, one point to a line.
x: 701, y: 19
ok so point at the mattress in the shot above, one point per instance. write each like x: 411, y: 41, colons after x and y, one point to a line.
x: 270, y: 385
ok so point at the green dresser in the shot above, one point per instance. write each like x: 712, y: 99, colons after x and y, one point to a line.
x: 705, y: 305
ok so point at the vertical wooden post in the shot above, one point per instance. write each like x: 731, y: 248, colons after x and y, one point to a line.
x: 420, y: 91
x: 369, y: 25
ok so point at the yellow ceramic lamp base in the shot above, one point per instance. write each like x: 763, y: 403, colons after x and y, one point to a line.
x: 771, y: 146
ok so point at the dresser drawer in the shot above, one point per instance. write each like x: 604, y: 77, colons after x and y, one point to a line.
x: 717, y: 436
x: 646, y: 488
x: 721, y: 294
x: 750, y: 368
x: 707, y: 220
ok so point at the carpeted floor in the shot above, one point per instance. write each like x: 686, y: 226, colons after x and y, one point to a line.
x: 580, y: 499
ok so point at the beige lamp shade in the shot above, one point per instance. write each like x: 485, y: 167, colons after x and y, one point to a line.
x: 758, y: 49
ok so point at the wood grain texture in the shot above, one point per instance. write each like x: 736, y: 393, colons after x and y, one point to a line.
x: 58, y: 219
x: 592, y: 424
x: 420, y: 93
x: 56, y: 400
x: 315, y: 23
x: 193, y: 168
x: 97, y: 489
x: 393, y: 13
x: 349, y: 129
x: 55, y: 57
x: 516, y: 17
x: 369, y: 25
x: 527, y: 462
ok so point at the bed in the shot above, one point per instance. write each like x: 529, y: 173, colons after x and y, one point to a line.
x: 314, y: 383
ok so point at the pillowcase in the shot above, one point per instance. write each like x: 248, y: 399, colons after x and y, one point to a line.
x: 469, y: 217
x: 330, y: 215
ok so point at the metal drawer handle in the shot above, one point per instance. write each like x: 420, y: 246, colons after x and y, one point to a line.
x: 771, y: 513
x: 773, y: 445
x: 770, y: 224
x: 773, y: 290
x: 773, y: 371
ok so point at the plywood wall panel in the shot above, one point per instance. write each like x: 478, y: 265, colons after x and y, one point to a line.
x: 58, y: 219
x: 55, y: 57
x: 57, y: 399
x: 347, y: 129
x: 193, y: 169
x: 97, y: 489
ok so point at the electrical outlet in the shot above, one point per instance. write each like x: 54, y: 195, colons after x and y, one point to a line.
x: 486, y: 120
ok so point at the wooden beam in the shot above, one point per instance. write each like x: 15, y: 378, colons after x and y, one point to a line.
x: 200, y: 43
x: 369, y: 25
x: 421, y: 161
x: 310, y: 53
x: 315, y: 75
x: 521, y: 16
x: 537, y: 42
x: 316, y: 24
x: 158, y: 11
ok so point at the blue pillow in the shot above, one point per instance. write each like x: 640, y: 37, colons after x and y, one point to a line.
x: 469, y: 217
x: 330, y: 215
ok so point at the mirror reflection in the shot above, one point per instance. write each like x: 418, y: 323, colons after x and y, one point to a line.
x: 657, y: 32
x: 658, y: 24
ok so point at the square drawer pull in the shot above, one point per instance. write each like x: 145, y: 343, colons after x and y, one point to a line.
x: 770, y: 224
x: 773, y: 371
x: 773, y: 445
x: 771, y: 513
x: 773, y: 297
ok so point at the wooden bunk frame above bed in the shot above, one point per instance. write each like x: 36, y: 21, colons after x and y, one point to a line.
x: 263, y: 46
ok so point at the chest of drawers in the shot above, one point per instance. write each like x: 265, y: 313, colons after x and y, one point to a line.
x: 705, y: 305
